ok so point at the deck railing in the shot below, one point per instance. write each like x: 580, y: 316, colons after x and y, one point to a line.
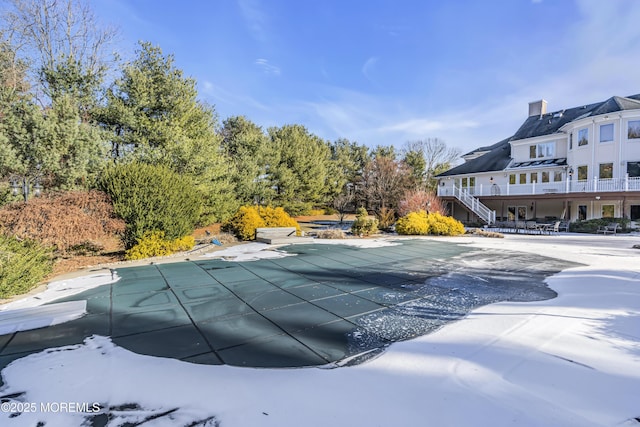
x: 569, y: 186
x: 483, y: 212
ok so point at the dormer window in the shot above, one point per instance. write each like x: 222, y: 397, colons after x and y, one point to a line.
x: 545, y: 149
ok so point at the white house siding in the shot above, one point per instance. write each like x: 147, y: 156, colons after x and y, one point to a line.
x: 577, y: 195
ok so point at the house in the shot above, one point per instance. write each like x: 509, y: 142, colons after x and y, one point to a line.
x: 573, y: 164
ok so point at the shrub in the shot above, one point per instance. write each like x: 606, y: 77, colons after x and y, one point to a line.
x: 386, y: 217
x: 316, y: 212
x: 420, y: 200
x: 422, y: 223
x: 151, y: 198
x: 245, y: 221
x: 72, y: 221
x: 363, y: 225
x: 23, y: 264
x: 484, y: 233
x: 153, y: 243
x: 413, y: 223
x: 331, y: 233
x: 592, y: 225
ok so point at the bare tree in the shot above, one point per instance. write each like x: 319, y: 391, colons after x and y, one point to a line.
x: 341, y: 203
x: 384, y: 182
x: 56, y: 34
x: 436, y: 157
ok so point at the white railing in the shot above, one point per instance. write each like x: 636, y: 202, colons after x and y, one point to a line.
x: 569, y: 186
x: 483, y: 212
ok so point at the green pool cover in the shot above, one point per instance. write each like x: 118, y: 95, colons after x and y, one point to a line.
x: 325, y: 304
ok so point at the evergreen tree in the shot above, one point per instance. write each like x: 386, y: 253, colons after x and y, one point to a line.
x: 154, y: 117
x: 299, y: 172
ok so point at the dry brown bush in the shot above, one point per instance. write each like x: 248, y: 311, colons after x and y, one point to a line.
x: 70, y: 221
x: 485, y: 233
x: 417, y: 200
x: 330, y: 233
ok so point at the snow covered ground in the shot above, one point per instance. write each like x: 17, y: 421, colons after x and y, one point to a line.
x: 570, y: 361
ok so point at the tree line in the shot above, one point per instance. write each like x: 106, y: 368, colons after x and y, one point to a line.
x: 68, y: 112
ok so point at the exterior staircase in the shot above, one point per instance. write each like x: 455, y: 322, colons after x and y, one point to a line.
x: 474, y: 205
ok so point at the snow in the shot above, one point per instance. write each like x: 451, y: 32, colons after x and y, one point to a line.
x: 24, y: 319
x: 358, y: 243
x: 64, y: 288
x: 570, y: 361
x: 247, y: 252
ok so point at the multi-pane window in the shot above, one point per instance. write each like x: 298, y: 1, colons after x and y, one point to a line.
x: 583, y: 172
x: 583, y: 137
x: 606, y: 132
x: 523, y: 178
x: 633, y: 169
x: 546, y: 149
x: 545, y: 176
x: 516, y: 213
x: 534, y: 177
x: 512, y: 178
x: 608, y: 211
x: 606, y: 170
x: 557, y: 176
x: 633, y: 129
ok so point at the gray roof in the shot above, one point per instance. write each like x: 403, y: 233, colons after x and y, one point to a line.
x: 496, y: 159
x: 549, y: 123
x: 498, y: 156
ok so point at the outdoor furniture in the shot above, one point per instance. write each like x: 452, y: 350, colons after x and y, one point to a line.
x: 608, y: 229
x: 552, y: 228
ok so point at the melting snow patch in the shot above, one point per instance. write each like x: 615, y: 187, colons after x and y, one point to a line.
x: 358, y: 243
x: 247, y: 252
x: 64, y: 288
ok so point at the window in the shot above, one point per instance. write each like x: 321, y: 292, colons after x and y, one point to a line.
x: 633, y: 129
x: 583, y: 173
x: 583, y: 137
x: 607, y: 211
x: 464, y: 183
x: 534, y: 177
x: 472, y: 181
x: 546, y: 149
x: 512, y: 178
x: 606, y: 132
x: 635, y: 213
x: 606, y: 170
x: 523, y: 178
x: 571, y: 141
x: 582, y: 212
x: 633, y: 169
x: 516, y: 213
x: 545, y: 176
x: 557, y: 176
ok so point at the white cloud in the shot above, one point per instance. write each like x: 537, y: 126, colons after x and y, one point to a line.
x: 266, y: 67
x: 368, y: 66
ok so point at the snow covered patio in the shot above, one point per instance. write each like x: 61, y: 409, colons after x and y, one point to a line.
x: 573, y: 360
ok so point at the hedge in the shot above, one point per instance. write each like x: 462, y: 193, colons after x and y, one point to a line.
x: 23, y: 264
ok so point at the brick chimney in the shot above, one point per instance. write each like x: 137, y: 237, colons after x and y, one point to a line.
x: 537, y: 108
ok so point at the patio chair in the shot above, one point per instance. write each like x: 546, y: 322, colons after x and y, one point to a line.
x: 553, y: 228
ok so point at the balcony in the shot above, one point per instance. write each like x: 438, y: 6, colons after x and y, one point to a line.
x: 560, y: 187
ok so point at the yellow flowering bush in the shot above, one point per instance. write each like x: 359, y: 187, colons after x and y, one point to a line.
x: 245, y: 221
x: 153, y: 243
x: 423, y: 223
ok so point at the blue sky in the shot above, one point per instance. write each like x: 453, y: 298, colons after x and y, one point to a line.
x: 386, y: 72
